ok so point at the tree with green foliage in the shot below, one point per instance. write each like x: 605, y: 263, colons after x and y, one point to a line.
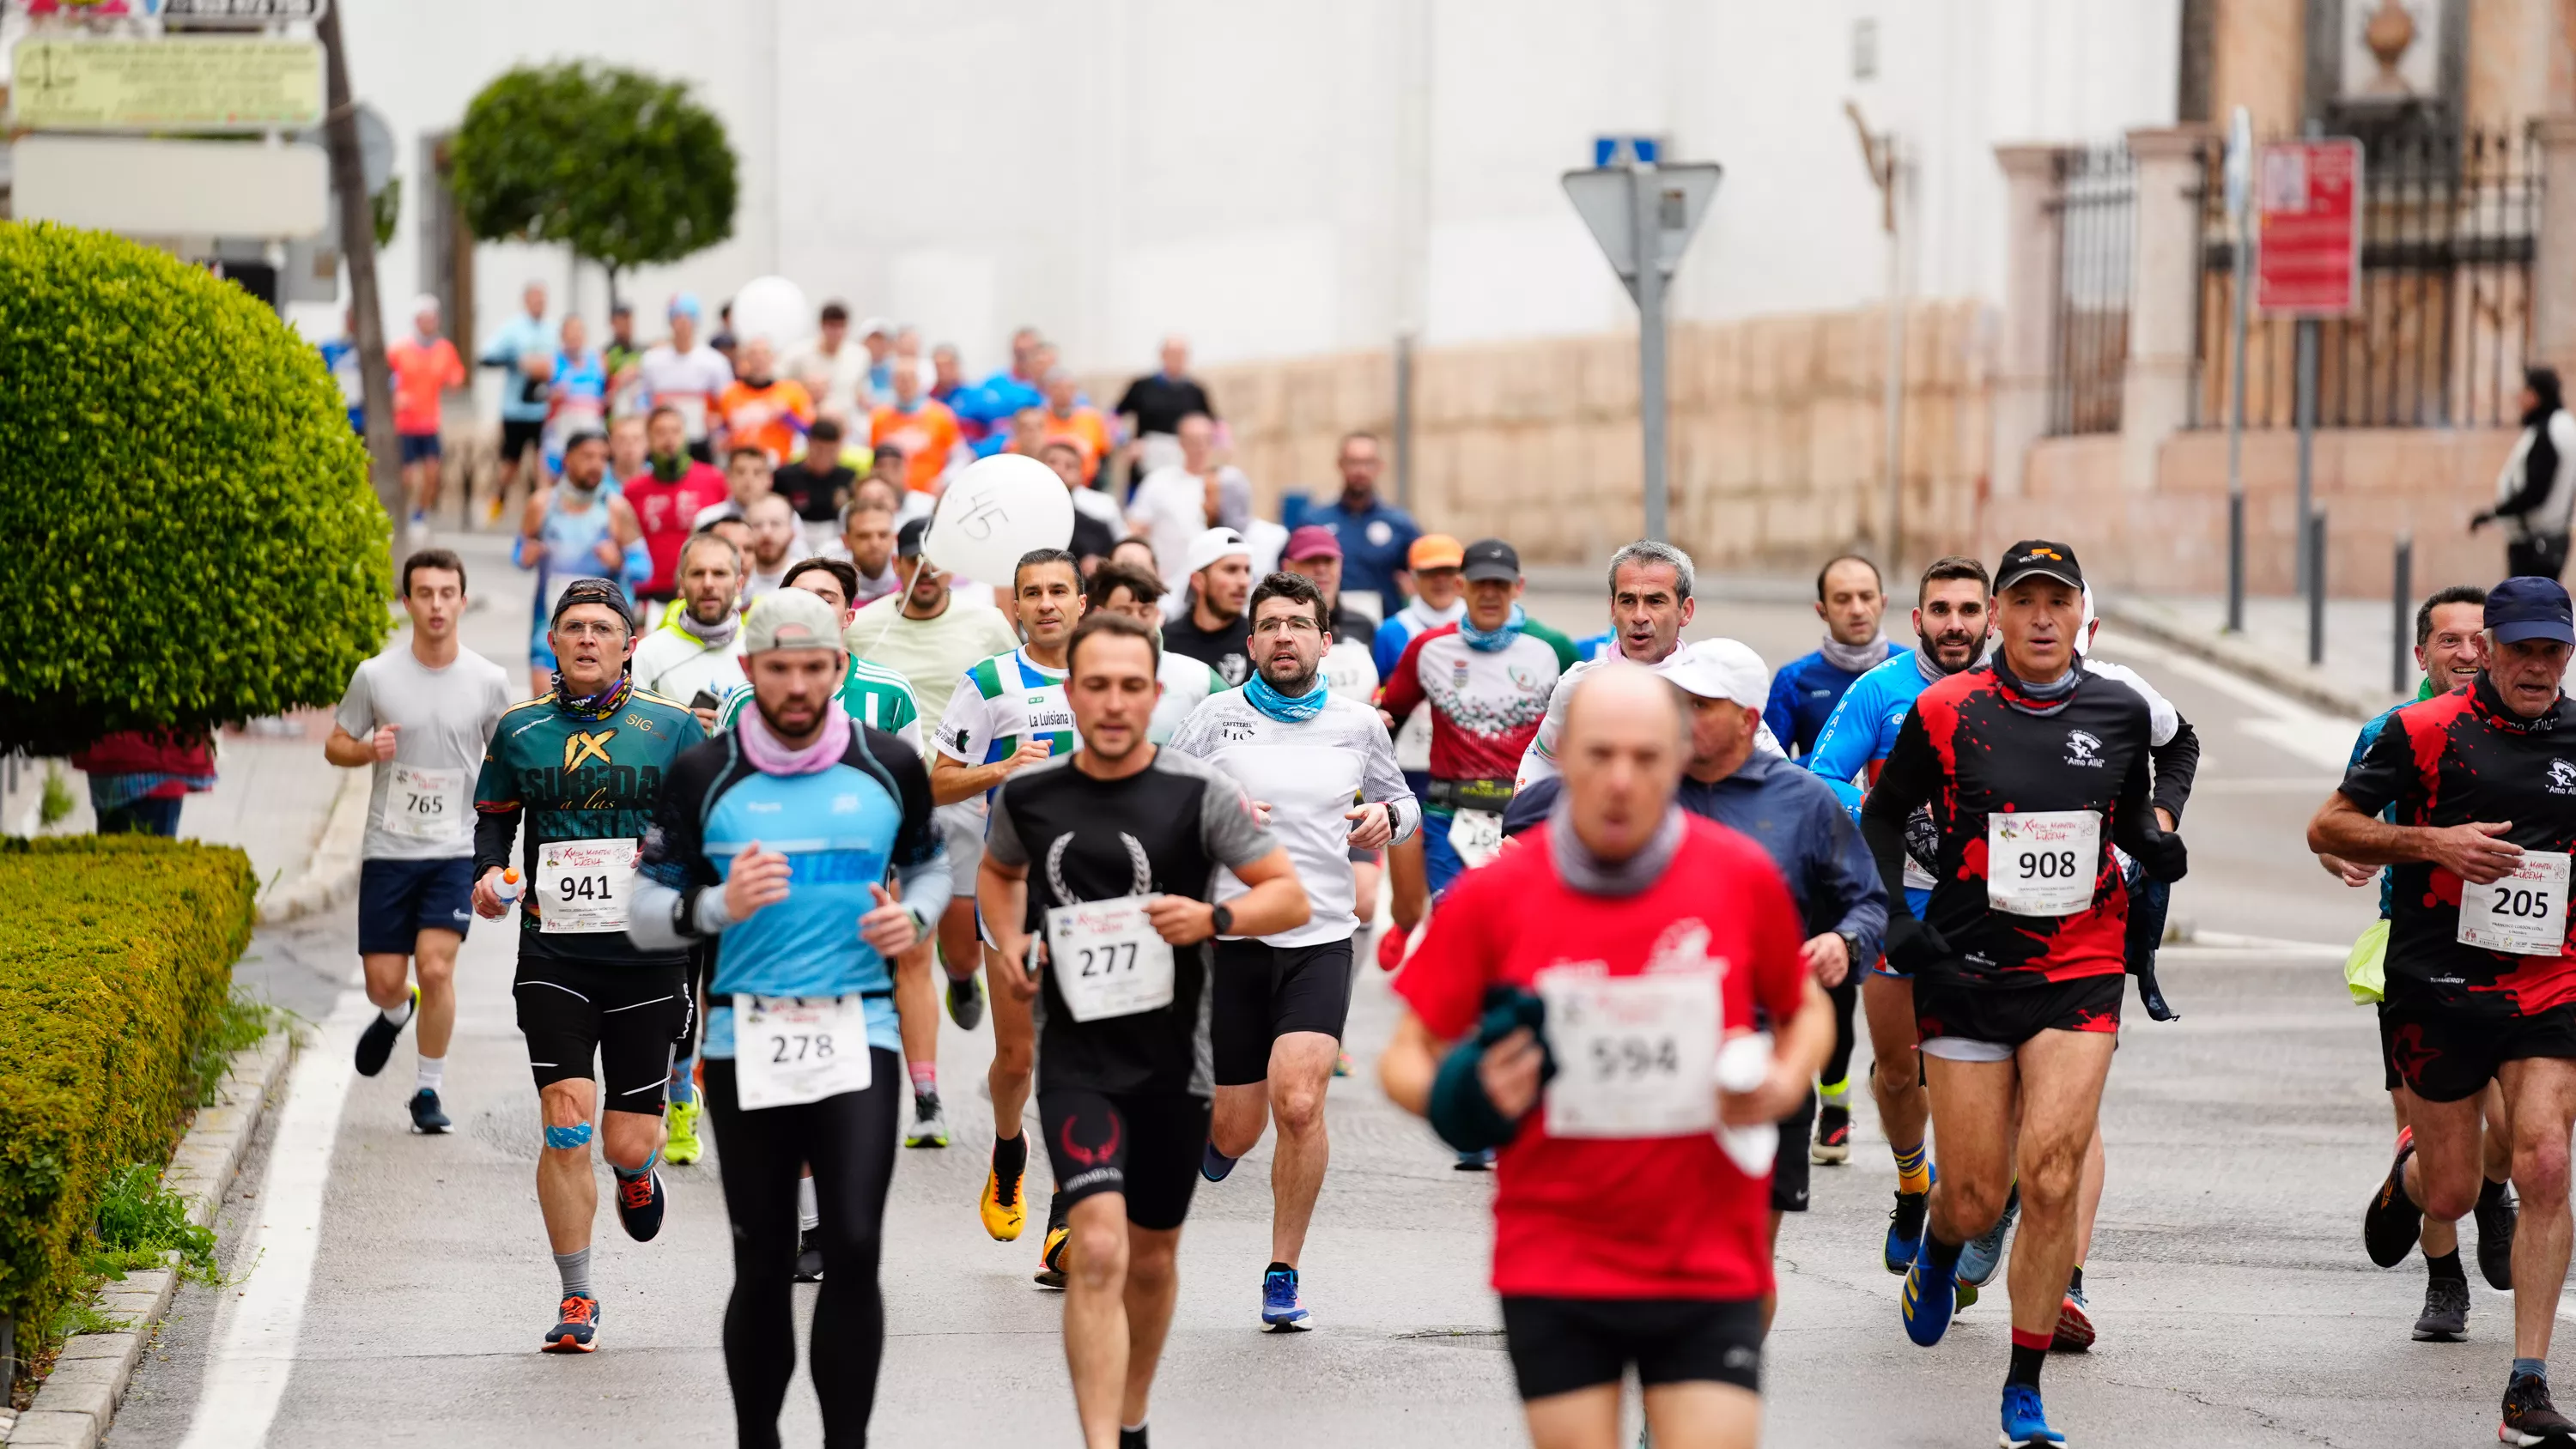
x: 621, y: 168
x: 192, y: 536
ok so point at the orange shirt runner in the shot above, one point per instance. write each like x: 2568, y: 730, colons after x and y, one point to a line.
x: 422, y: 371
x: 927, y: 435
x: 773, y: 417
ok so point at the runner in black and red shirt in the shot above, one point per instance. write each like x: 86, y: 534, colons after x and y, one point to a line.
x: 2481, y: 971
x: 2032, y: 768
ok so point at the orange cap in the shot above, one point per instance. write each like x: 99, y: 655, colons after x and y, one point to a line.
x: 1435, y: 551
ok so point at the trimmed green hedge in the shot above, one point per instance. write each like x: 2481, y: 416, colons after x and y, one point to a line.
x: 116, y: 956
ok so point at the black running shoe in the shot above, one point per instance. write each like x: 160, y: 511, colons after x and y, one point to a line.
x: 1833, y: 1134
x: 1904, y: 1230
x: 426, y: 1119
x: 639, y: 1205
x: 809, y: 1260
x: 1131, y: 1438
x: 2446, y: 1311
x: 2495, y: 1237
x: 966, y: 1003
x: 2530, y: 1419
x: 376, y: 1043
x: 2392, y: 1222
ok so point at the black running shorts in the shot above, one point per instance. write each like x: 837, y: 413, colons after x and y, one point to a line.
x: 1790, y: 1169
x: 630, y: 1017
x: 518, y: 436
x: 1264, y: 992
x: 1147, y: 1145
x: 2444, y: 1054
x: 1987, y: 1023
x: 1561, y: 1345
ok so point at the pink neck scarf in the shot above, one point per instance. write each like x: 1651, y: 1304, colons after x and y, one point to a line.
x: 772, y: 758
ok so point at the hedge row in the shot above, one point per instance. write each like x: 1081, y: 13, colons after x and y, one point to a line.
x: 115, y: 957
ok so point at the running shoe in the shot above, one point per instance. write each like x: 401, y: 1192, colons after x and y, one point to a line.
x: 684, y: 1145
x: 1390, y: 949
x: 1004, y: 1211
x: 639, y: 1204
x: 966, y: 1002
x: 1279, y: 1306
x: 929, y: 1124
x: 1833, y: 1135
x: 1214, y: 1165
x: 1132, y: 1438
x: 809, y: 1259
x: 2495, y: 1238
x: 573, y: 1332
x: 1967, y: 1296
x: 1985, y: 1251
x: 1475, y: 1161
x: 2074, y: 1325
x: 1931, y: 1293
x: 2025, y: 1422
x: 2392, y: 1222
x: 376, y: 1043
x: 2445, y: 1318
x: 1905, y: 1227
x: 2529, y: 1417
x: 426, y: 1119
x: 1051, y: 1257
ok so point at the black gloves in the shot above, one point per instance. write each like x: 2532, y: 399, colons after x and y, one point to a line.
x: 1913, y: 946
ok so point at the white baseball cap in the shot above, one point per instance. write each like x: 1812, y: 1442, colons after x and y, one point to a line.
x: 1216, y: 543
x: 1720, y: 669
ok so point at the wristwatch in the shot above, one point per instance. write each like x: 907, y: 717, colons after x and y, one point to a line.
x: 1220, y: 921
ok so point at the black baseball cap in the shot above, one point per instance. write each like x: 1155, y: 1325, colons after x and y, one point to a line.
x: 2041, y: 557
x: 907, y: 539
x: 1489, y: 559
x: 2529, y: 608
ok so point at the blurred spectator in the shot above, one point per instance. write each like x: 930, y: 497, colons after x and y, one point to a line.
x: 1174, y: 505
x: 626, y: 451
x: 877, y: 335
x: 748, y: 479
x: 1375, y: 535
x: 833, y: 363
x: 623, y: 355
x: 817, y: 484
x: 776, y: 542
x: 524, y: 349
x: 579, y: 393
x: 1097, y: 525
x: 1028, y: 430
x: 764, y: 409
x: 1153, y: 406
x: 137, y: 779
x: 724, y: 342
x: 920, y: 425
x: 907, y: 353
x: 687, y: 376
x: 1069, y: 417
x: 425, y: 367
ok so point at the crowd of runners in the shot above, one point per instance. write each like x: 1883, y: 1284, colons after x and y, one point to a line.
x: 787, y: 790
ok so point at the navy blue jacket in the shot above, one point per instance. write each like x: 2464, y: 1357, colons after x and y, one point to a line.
x: 1803, y: 696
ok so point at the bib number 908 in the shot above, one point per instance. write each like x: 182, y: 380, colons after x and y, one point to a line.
x: 2048, y: 865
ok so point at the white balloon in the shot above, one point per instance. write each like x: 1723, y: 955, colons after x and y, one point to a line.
x: 775, y: 308
x: 995, y: 510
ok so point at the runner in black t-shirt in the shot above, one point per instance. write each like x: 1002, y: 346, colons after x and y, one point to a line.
x: 2032, y: 768
x: 1159, y: 400
x: 2481, y: 968
x: 1108, y: 855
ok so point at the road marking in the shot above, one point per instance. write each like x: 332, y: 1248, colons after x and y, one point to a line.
x: 246, y: 1376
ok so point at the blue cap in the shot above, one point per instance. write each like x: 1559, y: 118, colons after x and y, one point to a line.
x: 2530, y: 608
x: 686, y: 305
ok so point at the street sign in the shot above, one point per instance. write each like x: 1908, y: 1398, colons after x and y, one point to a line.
x: 2308, y: 218
x: 1605, y: 149
x: 1679, y: 197
x: 171, y: 188
x: 81, y: 83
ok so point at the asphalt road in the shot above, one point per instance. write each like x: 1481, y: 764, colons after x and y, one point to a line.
x: 393, y: 1287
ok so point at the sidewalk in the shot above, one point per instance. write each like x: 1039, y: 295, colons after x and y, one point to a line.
x: 2360, y: 639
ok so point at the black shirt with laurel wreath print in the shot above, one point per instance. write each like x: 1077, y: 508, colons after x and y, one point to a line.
x: 1162, y: 831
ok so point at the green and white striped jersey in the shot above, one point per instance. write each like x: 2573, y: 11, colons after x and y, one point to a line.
x: 873, y: 694
x: 1000, y: 700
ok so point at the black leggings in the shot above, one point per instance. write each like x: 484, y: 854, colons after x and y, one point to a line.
x: 1846, y: 999
x: 849, y: 1139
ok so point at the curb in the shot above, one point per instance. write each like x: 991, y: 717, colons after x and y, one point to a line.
x: 331, y: 877
x: 74, y: 1406
x: 2311, y: 687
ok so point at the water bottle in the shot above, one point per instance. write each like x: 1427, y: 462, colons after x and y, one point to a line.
x: 508, y: 887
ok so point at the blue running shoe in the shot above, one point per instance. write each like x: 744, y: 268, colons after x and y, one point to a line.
x: 1905, y: 1227
x: 1214, y: 1165
x: 1930, y: 1295
x: 426, y: 1118
x: 2025, y: 1422
x: 1279, y: 1306
x: 1985, y: 1251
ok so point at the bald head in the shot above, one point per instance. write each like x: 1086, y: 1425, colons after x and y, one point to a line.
x: 1625, y: 742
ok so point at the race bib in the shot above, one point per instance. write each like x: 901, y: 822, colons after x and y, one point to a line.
x: 793, y: 1049
x: 1107, y: 958
x: 1636, y: 1056
x: 424, y: 804
x: 2042, y: 862
x: 1476, y: 835
x: 577, y: 417
x: 582, y: 885
x: 2524, y: 913
x: 692, y: 408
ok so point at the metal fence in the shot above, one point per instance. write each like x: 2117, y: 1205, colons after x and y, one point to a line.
x: 2448, y: 225
x: 2096, y: 202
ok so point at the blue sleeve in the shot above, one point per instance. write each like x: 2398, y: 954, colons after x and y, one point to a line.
x: 1388, y: 647
x: 1857, y: 886
x: 1849, y: 740
x: 2369, y: 732
x: 1776, y: 713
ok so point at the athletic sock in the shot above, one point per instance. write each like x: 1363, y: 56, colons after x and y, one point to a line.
x: 2075, y: 1280
x: 1836, y: 1094
x: 2531, y: 1368
x: 2490, y: 1192
x: 684, y: 1087
x: 398, y: 1016
x: 1942, y: 1255
x: 1010, y: 1156
x: 809, y: 1213
x: 925, y: 1078
x: 2029, y: 1351
x: 431, y: 1076
x: 1913, y: 1168
x: 575, y: 1268
x: 2446, y: 1266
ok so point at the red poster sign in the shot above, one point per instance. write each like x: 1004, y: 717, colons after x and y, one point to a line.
x: 2308, y: 195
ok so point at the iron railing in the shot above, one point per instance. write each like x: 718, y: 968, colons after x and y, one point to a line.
x: 2096, y: 202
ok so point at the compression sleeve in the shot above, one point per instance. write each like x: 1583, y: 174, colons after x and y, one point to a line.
x: 496, y: 811
x: 2177, y: 763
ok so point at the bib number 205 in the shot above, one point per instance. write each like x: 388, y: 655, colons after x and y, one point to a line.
x: 2524, y: 913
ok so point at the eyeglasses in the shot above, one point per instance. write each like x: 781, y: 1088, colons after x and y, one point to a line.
x: 1286, y: 624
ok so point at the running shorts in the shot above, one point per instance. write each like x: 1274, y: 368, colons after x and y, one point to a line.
x: 399, y: 899
x: 1561, y: 1345
x: 1791, y: 1169
x: 630, y: 1017
x: 2444, y: 1054
x: 420, y: 448
x: 1147, y: 1145
x: 1264, y: 992
x: 519, y: 435
x: 962, y: 826
x: 1987, y: 1023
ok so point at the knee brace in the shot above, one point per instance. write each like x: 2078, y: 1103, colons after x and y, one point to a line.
x: 564, y: 1139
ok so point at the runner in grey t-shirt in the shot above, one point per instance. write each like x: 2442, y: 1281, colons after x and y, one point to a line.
x: 418, y: 715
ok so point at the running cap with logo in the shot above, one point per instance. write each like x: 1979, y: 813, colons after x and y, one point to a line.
x: 1490, y: 559
x: 790, y: 619
x: 591, y: 591
x: 1434, y: 551
x: 1312, y: 541
x: 2529, y: 607
x: 1215, y: 544
x: 1720, y: 669
x: 2039, y: 556
x: 907, y: 539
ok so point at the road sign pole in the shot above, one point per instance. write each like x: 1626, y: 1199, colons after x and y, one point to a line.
x: 2240, y: 162
x: 1644, y: 195
x: 2307, y: 404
